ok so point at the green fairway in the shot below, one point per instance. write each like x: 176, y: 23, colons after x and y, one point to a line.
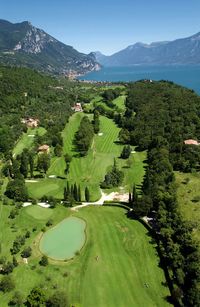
x: 118, y: 265
x: 120, y: 102
x: 48, y: 187
x: 26, y: 140
x: 91, y: 169
x: 39, y: 213
x: 189, y: 199
x: 64, y: 240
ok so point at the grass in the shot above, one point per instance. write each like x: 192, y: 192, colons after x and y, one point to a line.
x: 127, y: 259
x: 39, y: 213
x: 90, y: 170
x: 119, y: 102
x: 26, y: 140
x: 189, y: 199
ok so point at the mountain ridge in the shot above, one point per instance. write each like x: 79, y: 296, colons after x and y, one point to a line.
x: 179, y: 51
x: 22, y: 44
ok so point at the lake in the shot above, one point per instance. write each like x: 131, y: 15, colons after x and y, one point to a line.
x: 188, y: 76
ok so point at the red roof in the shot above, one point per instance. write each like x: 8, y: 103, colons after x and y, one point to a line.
x: 191, y: 142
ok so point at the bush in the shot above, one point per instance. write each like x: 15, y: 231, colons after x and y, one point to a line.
x: 44, y: 261
x: 26, y: 252
x: 7, y: 284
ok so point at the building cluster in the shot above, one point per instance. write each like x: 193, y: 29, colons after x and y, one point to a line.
x: 77, y: 107
x: 30, y: 122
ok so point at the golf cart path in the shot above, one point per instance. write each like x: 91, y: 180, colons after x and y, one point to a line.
x: 114, y: 196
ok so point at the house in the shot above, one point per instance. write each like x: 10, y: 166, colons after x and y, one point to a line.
x: 77, y: 107
x: 191, y: 142
x: 43, y: 149
x: 30, y: 122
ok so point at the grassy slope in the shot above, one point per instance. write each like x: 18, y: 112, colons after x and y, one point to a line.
x: 126, y: 261
x: 119, y: 102
x: 186, y: 193
x: 26, y: 140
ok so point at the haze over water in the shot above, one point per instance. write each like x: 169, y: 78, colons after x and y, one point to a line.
x: 188, y: 76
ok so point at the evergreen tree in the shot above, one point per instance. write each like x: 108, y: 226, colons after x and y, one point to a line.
x: 24, y: 163
x: 87, y: 194
x: 134, y: 195
x: 65, y: 194
x: 31, y: 163
x: 79, y: 193
x: 75, y: 192
x: 68, y: 188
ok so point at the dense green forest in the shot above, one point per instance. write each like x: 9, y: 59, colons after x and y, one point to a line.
x: 26, y: 93
x: 159, y: 117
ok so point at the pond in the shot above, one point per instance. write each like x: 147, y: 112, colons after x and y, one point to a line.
x: 64, y: 240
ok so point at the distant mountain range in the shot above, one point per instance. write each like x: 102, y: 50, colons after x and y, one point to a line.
x: 22, y: 44
x: 180, y: 51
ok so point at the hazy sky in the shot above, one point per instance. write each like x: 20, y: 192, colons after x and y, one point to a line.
x: 107, y: 25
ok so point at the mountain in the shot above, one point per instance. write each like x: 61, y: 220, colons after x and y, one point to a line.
x: 22, y: 44
x: 180, y: 51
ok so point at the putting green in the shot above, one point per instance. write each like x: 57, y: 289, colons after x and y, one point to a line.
x: 64, y: 240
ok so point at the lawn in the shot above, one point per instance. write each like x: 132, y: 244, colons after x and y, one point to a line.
x: 118, y: 265
x: 189, y: 198
x: 120, y: 102
x: 26, y: 140
x: 90, y: 170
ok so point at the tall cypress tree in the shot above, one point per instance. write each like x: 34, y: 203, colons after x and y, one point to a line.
x: 79, y: 193
x: 87, y: 194
x: 75, y: 192
x: 134, y: 195
x: 65, y: 194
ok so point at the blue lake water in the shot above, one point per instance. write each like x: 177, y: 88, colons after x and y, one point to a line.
x: 188, y: 76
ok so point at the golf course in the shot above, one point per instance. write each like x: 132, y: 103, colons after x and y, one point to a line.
x: 118, y: 264
x: 91, y: 169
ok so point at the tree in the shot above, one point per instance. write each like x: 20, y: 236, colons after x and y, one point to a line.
x: 17, y: 190
x: 96, y: 121
x: 14, y: 261
x: 26, y: 253
x: 84, y: 136
x: 58, y: 299
x: 17, y: 300
x: 58, y: 150
x: 7, y: 268
x: 87, y: 194
x: 24, y: 163
x: 134, y: 195
x: 36, y: 298
x: 44, y: 261
x: 113, y: 178
x: 126, y: 151
x: 75, y: 192
x: 79, y: 193
x: 31, y: 163
x: 43, y: 162
x: 7, y: 284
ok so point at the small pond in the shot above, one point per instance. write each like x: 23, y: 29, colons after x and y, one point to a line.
x: 64, y: 240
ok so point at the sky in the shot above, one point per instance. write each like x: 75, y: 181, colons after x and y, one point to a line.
x: 107, y: 25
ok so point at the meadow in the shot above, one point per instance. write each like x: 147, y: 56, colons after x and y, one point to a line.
x: 120, y: 268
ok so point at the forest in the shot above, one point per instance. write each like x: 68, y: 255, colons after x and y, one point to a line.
x: 159, y: 117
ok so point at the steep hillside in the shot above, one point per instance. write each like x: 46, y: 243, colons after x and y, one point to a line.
x: 22, y: 44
